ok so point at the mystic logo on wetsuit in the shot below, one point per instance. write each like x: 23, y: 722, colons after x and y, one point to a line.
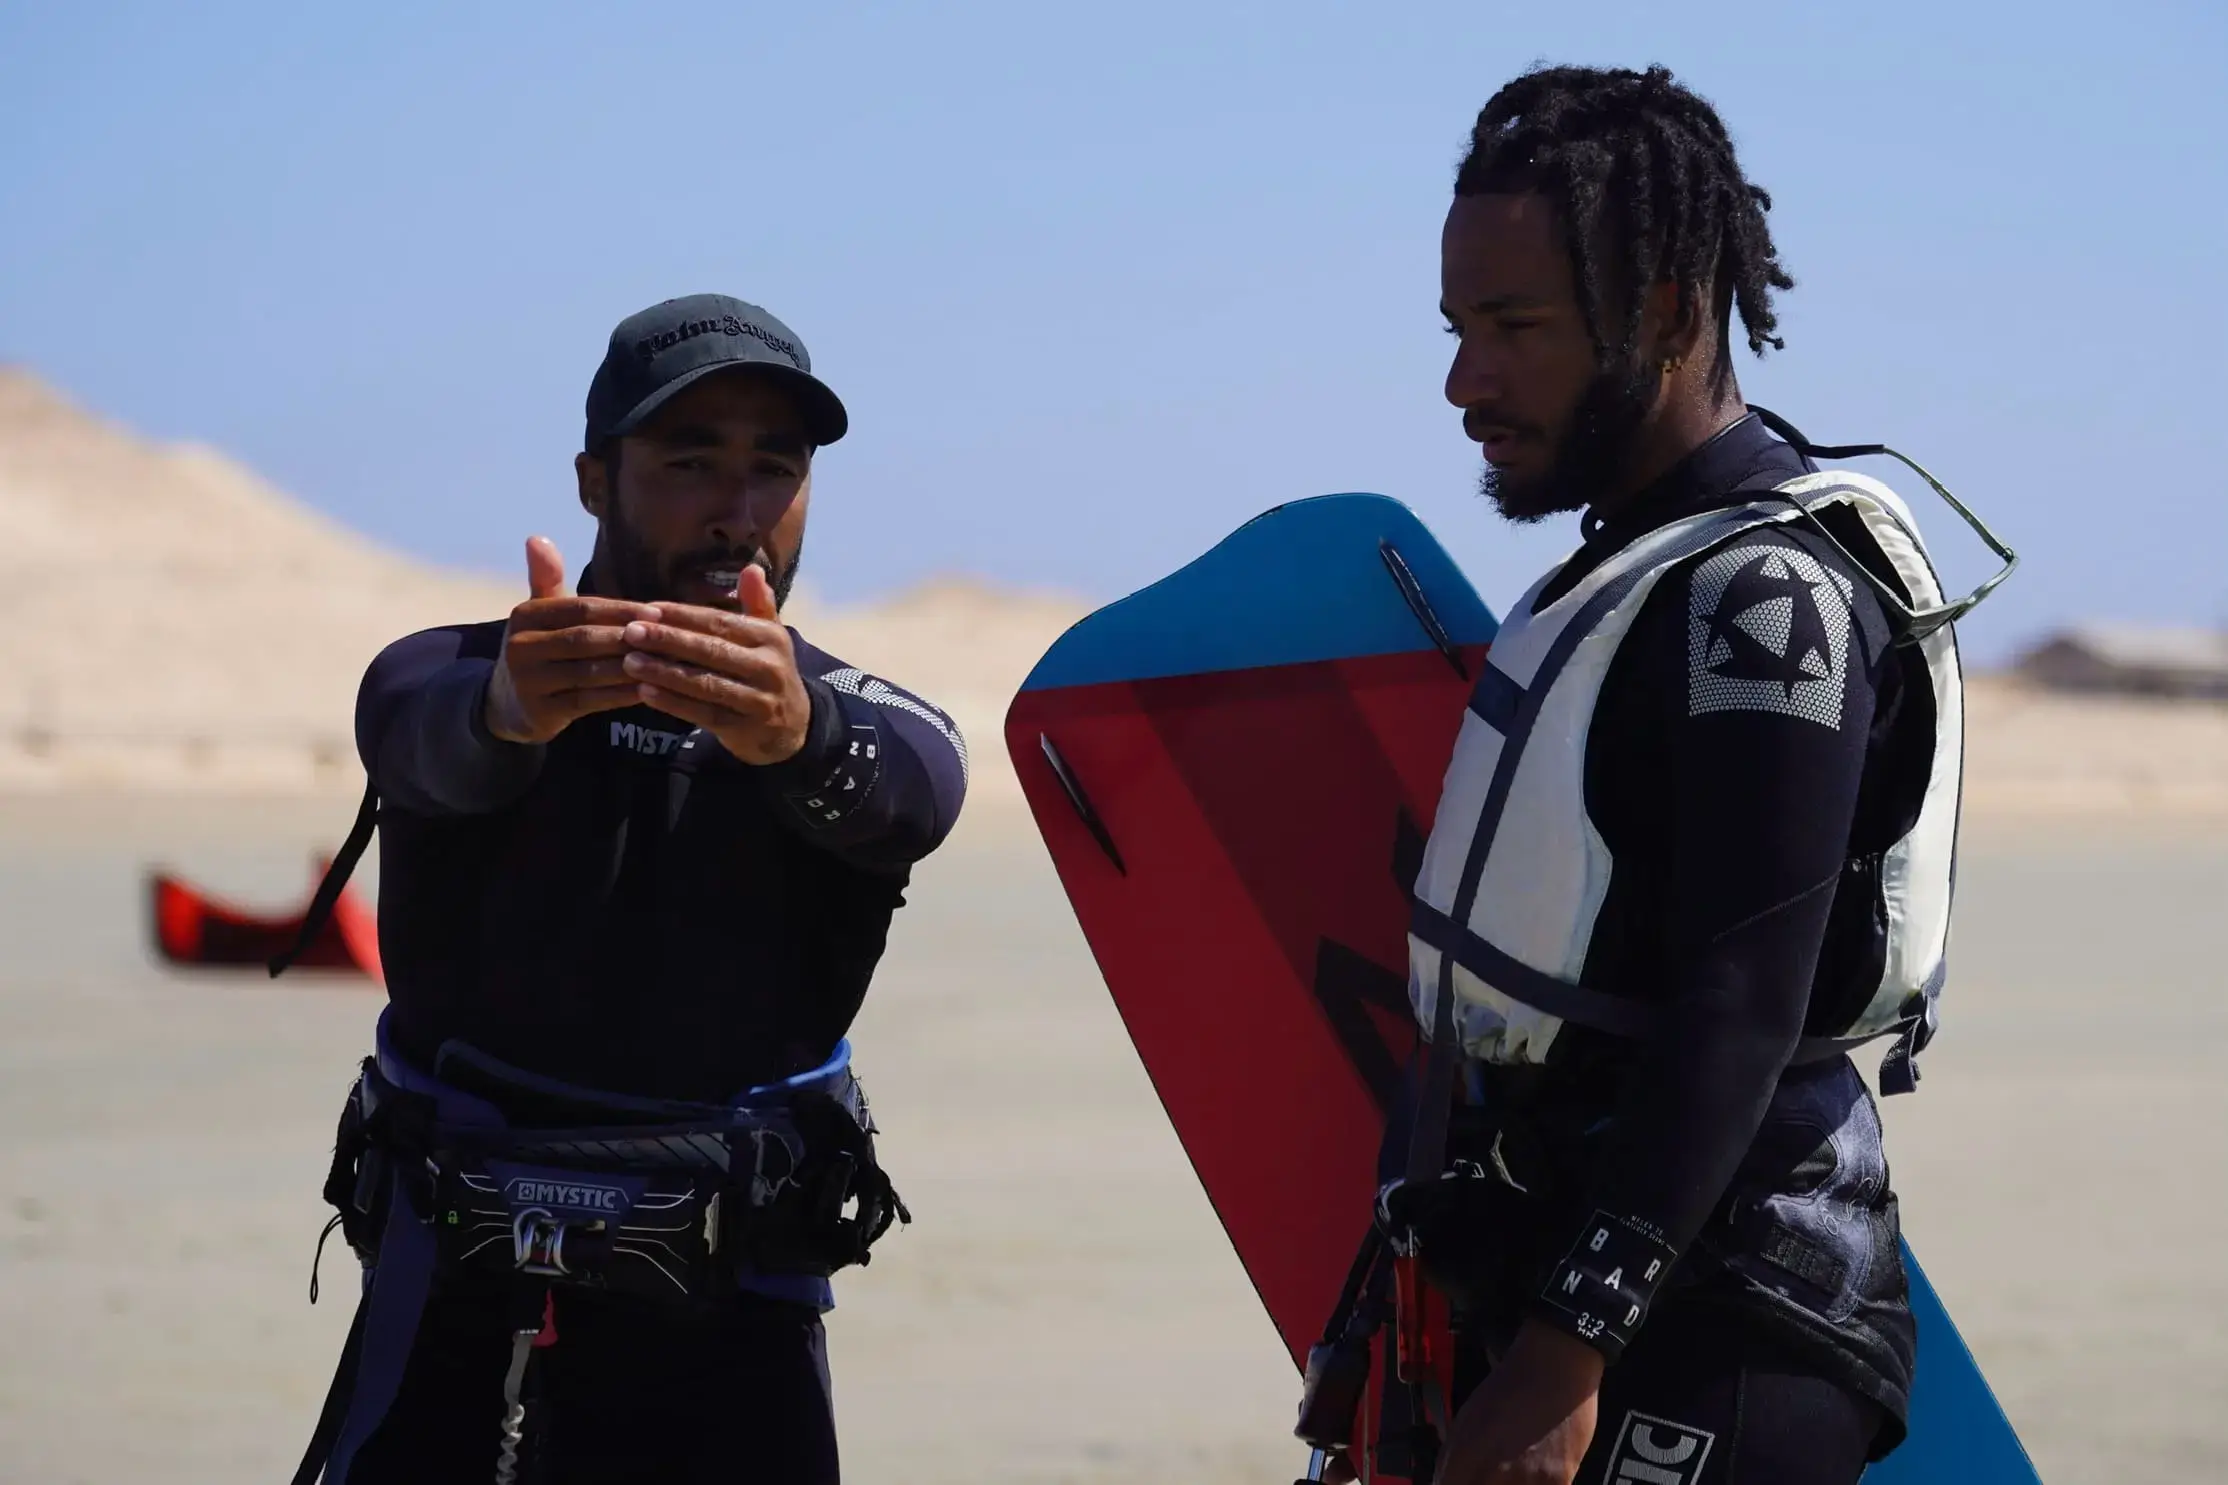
x: 640, y: 739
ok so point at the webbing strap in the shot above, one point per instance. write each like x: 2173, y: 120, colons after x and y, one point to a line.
x: 1362, y: 1280
x: 1427, y: 1157
x: 1497, y: 700
x: 1461, y: 945
x: 1427, y: 1137
x: 336, y: 877
x: 393, y: 1303
x: 1594, y: 1009
x: 1917, y: 623
x: 336, y: 1401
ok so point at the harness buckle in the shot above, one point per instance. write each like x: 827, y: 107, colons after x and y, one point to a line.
x: 538, y: 1243
x: 767, y: 1184
x: 1501, y: 1166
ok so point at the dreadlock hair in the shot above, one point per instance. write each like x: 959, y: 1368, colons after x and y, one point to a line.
x: 1641, y: 168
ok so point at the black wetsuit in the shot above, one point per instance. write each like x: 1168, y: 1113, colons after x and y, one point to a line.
x: 1745, y: 844
x: 631, y: 908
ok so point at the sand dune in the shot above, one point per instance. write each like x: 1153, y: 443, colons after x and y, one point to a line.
x: 183, y: 545
x: 2038, y: 755
x: 204, y: 547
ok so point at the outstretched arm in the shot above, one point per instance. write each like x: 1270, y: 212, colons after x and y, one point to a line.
x: 421, y: 728
x: 861, y: 769
x: 452, y: 721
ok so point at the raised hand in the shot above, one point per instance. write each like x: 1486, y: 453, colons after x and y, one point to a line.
x: 563, y: 656
x: 734, y: 675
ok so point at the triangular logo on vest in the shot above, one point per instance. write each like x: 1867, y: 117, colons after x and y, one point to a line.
x: 1768, y: 630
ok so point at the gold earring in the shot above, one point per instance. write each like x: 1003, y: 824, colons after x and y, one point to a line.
x: 1672, y: 363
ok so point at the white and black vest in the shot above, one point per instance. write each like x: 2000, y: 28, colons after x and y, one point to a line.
x: 1515, y: 872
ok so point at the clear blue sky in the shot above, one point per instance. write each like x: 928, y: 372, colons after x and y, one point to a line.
x: 1099, y: 284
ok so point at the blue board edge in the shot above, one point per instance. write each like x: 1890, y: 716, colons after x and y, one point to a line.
x: 1959, y: 1431
x: 1235, y: 620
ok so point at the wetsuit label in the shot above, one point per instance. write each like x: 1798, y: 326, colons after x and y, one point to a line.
x: 858, y: 767
x: 1656, y: 1451
x: 1604, y: 1284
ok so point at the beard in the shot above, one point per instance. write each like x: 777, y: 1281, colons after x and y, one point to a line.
x: 636, y: 573
x: 1594, y: 448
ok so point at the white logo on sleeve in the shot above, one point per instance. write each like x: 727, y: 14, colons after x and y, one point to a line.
x: 1768, y: 631
x: 1656, y: 1451
x: 878, y: 692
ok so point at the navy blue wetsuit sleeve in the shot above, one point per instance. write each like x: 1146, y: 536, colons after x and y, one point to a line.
x: 881, y: 777
x: 1766, y: 752
x: 421, y: 728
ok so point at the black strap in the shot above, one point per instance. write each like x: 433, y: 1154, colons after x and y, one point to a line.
x: 1512, y: 977
x: 337, y: 1398
x: 1363, y: 1280
x: 1596, y: 1010
x: 1497, y: 700
x: 1427, y: 1157
x: 328, y: 891
x: 1899, y: 1070
x: 1427, y: 1136
x: 1792, y: 437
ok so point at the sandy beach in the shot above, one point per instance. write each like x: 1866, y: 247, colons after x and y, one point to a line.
x: 1065, y: 1308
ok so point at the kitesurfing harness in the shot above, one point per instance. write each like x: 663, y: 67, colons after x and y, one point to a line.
x: 479, y: 1171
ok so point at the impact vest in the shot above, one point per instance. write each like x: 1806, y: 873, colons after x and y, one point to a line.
x: 1515, y: 872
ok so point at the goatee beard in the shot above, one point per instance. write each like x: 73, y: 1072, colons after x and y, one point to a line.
x: 636, y: 575
x: 1587, y: 458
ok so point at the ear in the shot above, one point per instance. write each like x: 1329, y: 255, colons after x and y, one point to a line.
x: 1673, y: 322
x: 594, y: 478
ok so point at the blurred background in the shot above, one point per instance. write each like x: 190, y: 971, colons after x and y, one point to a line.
x: 297, y: 311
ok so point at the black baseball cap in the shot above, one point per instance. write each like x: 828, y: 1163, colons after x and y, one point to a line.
x: 655, y: 354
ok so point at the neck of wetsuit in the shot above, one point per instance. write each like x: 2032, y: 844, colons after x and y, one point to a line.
x: 1691, y: 479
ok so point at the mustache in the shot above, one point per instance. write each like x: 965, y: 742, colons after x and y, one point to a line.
x: 1477, y: 420
x: 780, y: 579
x: 704, y: 557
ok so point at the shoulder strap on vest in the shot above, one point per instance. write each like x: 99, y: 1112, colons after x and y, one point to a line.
x: 1919, y: 623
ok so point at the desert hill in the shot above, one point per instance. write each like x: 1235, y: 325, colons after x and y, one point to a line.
x: 129, y: 691
x: 182, y: 544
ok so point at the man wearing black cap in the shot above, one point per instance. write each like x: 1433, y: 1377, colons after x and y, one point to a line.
x: 641, y: 847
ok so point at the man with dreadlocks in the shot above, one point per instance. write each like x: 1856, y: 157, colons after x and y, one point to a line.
x: 1694, y: 845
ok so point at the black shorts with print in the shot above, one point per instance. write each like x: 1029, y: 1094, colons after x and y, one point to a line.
x: 1700, y: 1398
